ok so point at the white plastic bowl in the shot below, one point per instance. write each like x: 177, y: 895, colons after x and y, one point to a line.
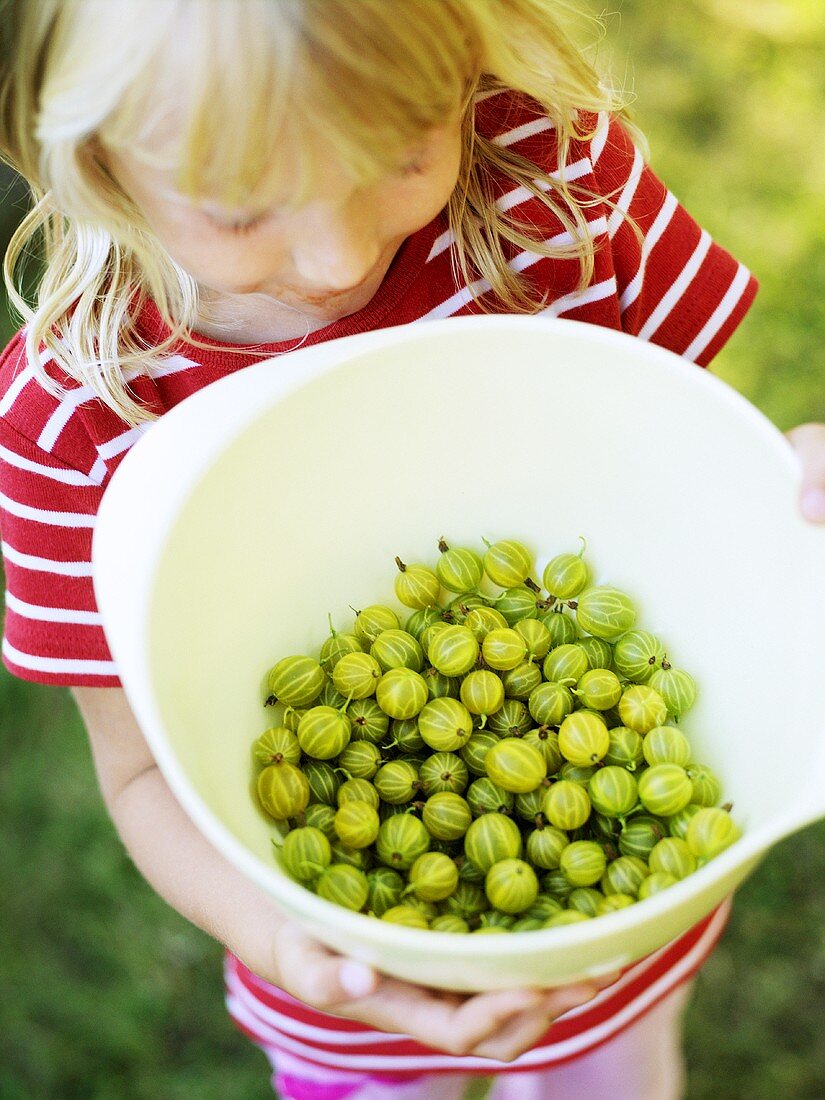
x: 284, y: 491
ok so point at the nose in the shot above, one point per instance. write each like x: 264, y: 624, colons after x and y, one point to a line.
x: 335, y: 248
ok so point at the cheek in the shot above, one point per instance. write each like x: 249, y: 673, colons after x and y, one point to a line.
x: 413, y: 201
x: 219, y: 259
x: 408, y: 209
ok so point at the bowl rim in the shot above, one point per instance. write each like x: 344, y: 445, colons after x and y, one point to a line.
x: 298, y: 369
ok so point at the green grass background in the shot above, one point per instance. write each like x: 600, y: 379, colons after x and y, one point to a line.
x: 107, y: 994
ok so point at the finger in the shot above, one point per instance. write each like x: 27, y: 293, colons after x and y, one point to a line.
x: 604, y: 980
x: 483, y: 1016
x: 521, y: 1032
x: 808, y: 440
x: 316, y: 975
x: 446, y: 1021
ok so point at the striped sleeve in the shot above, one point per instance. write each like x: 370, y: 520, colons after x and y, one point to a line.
x: 52, y: 631
x: 676, y: 286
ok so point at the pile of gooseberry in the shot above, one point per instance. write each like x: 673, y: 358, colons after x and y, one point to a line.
x: 508, y: 759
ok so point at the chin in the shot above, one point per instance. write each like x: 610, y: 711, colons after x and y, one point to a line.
x: 329, y: 307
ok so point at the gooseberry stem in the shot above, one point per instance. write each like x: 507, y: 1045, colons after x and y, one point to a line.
x: 400, y: 564
x: 442, y: 545
x: 531, y: 584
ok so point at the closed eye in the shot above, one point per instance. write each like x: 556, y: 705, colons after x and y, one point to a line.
x: 238, y: 225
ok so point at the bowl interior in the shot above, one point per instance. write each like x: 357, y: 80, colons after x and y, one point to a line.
x: 684, y: 494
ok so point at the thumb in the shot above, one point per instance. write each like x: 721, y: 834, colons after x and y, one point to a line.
x: 314, y: 974
x: 808, y: 440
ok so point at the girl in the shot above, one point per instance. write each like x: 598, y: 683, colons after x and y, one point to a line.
x: 217, y: 182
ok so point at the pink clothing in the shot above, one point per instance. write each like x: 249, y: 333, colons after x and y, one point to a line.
x: 643, y: 1062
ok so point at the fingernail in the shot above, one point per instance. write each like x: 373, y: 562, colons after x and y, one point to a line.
x: 356, y: 979
x: 575, y: 995
x: 608, y: 979
x: 813, y: 504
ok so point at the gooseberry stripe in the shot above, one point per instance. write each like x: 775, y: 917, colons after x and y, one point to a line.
x: 277, y: 1021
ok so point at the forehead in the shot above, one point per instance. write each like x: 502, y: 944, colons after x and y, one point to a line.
x: 272, y: 104
x: 148, y: 178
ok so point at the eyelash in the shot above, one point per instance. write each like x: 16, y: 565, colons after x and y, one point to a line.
x: 241, y: 229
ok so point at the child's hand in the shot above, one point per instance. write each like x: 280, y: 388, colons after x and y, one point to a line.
x: 808, y: 440
x: 498, y: 1025
x: 201, y: 884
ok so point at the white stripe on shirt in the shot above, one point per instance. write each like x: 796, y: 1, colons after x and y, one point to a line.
x: 619, y: 211
x: 62, y: 414
x: 595, y: 293
x: 44, y: 515
x: 526, y: 130
x: 520, y: 262
x: 46, y: 565
x: 517, y: 196
x: 67, y: 476
x: 663, y: 219
x: 73, y: 398
x: 26, y: 375
x: 599, y: 139
x: 10, y: 396
x: 678, y: 288
x: 122, y: 442
x: 720, y: 314
x: 61, y: 666
x: 51, y: 614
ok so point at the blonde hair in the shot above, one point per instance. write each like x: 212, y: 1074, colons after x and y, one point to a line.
x: 370, y: 76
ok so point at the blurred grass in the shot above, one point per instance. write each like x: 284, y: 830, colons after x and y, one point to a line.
x: 109, y: 995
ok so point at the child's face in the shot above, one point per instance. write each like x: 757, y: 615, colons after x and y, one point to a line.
x: 325, y: 259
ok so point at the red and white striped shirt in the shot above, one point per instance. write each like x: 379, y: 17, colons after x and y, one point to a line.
x: 675, y: 287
